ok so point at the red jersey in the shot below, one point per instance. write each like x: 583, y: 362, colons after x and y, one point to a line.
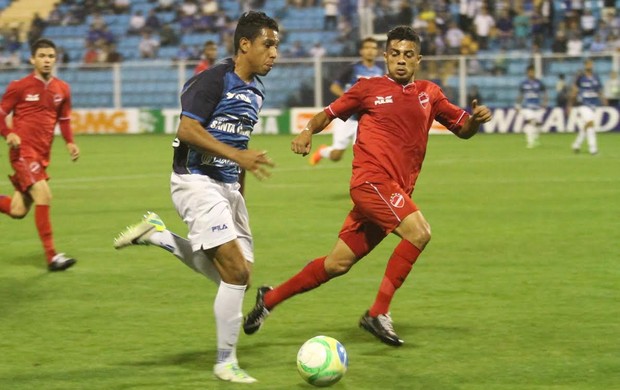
x: 393, y: 127
x: 202, y: 65
x: 37, y: 106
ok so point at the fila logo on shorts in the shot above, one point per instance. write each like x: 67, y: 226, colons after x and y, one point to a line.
x: 424, y: 99
x: 397, y: 200
x: 32, y: 97
x: 219, y: 228
x: 383, y: 100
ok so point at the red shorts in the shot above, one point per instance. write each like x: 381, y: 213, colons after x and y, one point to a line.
x: 379, y: 209
x: 28, y: 170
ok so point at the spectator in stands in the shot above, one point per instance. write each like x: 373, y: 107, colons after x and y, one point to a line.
x: 574, y: 45
x: 62, y: 55
x: 152, y: 21
x: 204, y: 23
x: 12, y: 43
x: 120, y: 6
x: 91, y: 54
x: 612, y: 90
x: 208, y: 57
x: 297, y: 50
x: 539, y: 28
x: 454, y: 37
x: 188, y: 7
x: 136, y: 23
x: 598, y: 45
x: 522, y: 28
x: 505, y: 29
x: 165, y: 5
x: 55, y: 17
x: 317, y: 51
x: 330, y: 11
x: 167, y: 35
x: 148, y: 46
x: 559, y: 44
x: 112, y: 56
x: 186, y: 23
x: 209, y: 7
x: 483, y: 23
x: 404, y: 15
x: 588, y: 23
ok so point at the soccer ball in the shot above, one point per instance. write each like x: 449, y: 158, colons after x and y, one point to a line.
x: 322, y: 361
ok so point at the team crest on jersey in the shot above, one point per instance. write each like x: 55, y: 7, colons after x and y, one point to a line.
x: 424, y: 99
x: 397, y: 200
x: 57, y: 99
x: 383, y: 100
x: 32, y: 97
x: 35, y: 167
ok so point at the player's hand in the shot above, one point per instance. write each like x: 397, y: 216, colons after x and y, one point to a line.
x: 255, y: 162
x: 480, y: 114
x: 302, y: 143
x: 13, y: 140
x: 74, y: 151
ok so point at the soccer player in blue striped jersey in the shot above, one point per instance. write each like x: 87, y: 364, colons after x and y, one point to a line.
x: 531, y: 101
x: 344, y: 132
x: 219, y: 108
x: 588, y: 93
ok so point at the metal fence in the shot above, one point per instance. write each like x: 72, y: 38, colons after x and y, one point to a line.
x: 494, y: 79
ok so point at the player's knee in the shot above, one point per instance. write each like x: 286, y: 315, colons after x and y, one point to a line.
x: 18, y: 212
x: 422, y: 237
x: 336, y: 268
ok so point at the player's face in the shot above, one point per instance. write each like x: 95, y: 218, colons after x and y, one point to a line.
x: 43, y: 60
x: 211, y: 52
x: 588, y: 65
x: 369, y: 51
x: 263, y: 51
x: 402, y: 59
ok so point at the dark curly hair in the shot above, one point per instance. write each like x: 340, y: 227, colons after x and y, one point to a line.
x: 403, y: 33
x: 250, y: 24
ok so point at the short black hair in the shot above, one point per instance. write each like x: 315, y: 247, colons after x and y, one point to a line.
x: 403, y: 33
x: 250, y: 24
x: 210, y: 43
x: 367, y: 39
x: 530, y: 67
x: 41, y: 43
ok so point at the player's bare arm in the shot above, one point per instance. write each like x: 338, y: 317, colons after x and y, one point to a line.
x: 302, y: 143
x: 479, y: 115
x: 336, y: 89
x: 192, y: 133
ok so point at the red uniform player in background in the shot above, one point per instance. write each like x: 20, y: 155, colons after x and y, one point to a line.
x: 396, y: 112
x: 38, y: 102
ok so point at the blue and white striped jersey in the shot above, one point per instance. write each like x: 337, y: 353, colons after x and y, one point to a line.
x: 227, y: 107
x: 588, y: 88
x: 356, y: 71
x: 533, y: 91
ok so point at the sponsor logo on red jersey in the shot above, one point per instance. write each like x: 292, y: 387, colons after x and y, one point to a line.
x: 32, y: 97
x: 424, y: 99
x: 383, y: 100
x: 397, y: 200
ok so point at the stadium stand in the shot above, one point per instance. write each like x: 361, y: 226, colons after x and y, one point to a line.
x: 292, y: 80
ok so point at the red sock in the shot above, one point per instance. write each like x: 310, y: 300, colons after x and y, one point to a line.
x: 398, y: 267
x: 312, y: 276
x: 44, y: 226
x: 5, y: 204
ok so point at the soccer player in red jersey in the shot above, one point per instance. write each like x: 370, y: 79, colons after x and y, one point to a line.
x: 38, y: 102
x: 396, y: 112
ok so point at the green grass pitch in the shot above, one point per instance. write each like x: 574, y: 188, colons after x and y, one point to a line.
x: 518, y: 289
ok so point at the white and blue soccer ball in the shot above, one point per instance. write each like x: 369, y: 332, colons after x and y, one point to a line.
x: 322, y: 361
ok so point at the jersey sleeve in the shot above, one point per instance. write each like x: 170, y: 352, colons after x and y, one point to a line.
x: 347, y: 104
x: 201, y: 95
x: 450, y: 115
x: 9, y: 100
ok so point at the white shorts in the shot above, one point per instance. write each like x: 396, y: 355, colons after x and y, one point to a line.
x: 344, y: 133
x: 586, y: 113
x: 215, y: 212
x: 532, y: 114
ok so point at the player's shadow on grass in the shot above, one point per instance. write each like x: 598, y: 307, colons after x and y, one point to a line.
x: 191, y: 360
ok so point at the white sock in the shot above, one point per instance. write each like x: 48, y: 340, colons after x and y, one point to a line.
x: 182, y: 249
x: 227, y: 308
x: 325, y: 152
